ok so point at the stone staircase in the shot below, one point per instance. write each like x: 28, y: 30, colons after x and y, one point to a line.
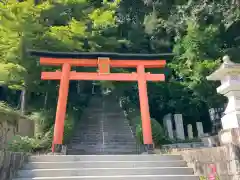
x: 106, y: 167
x: 103, y: 129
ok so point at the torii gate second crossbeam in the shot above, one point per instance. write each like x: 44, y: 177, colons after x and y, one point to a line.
x: 104, y: 64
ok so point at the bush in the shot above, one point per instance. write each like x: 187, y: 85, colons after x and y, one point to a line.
x: 133, y: 115
x: 157, y: 131
x: 8, y: 113
x: 44, y: 121
x: 23, y: 144
x: 68, y: 128
x: 43, y: 136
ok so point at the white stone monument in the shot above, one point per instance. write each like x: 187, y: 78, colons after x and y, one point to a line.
x: 200, y: 129
x: 167, y: 120
x: 190, y: 131
x: 229, y: 75
x: 179, y: 126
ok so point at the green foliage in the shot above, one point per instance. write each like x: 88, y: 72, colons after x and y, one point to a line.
x: 43, y: 137
x: 11, y: 74
x: 44, y: 120
x: 157, y: 131
x: 5, y: 108
x: 68, y: 128
x: 133, y: 115
x: 196, y: 58
x: 9, y: 114
x: 217, y: 177
x: 23, y: 144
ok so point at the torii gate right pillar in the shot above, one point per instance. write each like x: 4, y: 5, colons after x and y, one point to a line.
x: 144, y: 107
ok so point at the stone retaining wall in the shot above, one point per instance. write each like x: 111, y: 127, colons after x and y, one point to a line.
x: 10, y: 162
x: 18, y: 126
x: 226, y: 159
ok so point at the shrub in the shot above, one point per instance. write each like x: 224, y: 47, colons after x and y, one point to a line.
x: 68, y: 128
x: 44, y: 120
x: 157, y: 131
x: 8, y: 113
x: 43, y: 138
x: 23, y: 144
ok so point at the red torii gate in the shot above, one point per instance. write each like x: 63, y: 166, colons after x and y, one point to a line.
x: 104, y: 61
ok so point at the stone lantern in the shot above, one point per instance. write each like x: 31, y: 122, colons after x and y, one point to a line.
x: 229, y: 75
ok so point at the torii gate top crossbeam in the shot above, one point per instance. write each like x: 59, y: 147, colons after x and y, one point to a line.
x: 96, y: 55
x: 91, y: 59
x: 94, y: 63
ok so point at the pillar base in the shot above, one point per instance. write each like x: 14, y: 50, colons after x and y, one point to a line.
x: 59, y: 149
x: 149, y: 148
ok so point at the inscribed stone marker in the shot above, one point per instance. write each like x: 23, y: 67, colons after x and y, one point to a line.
x: 190, y: 131
x: 179, y: 126
x: 200, y: 129
x: 167, y: 120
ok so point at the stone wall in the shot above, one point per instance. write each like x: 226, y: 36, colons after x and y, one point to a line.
x: 225, y: 158
x: 11, y: 125
x: 10, y: 162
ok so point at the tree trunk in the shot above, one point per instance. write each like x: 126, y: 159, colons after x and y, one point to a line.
x: 45, y: 100
x: 23, y: 101
x: 78, y: 88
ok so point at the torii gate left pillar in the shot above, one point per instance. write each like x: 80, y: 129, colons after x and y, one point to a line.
x: 103, y: 73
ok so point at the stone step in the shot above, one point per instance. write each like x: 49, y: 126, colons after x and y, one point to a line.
x: 102, y: 148
x: 98, y: 151
x: 122, y: 131
x: 99, y: 118
x: 104, y: 171
x: 96, y: 124
x: 122, y: 177
x: 100, y: 141
x: 90, y: 134
x: 103, y: 123
x: 116, y: 143
x: 144, y: 157
x: 91, y: 152
x: 107, y: 140
x: 128, y: 136
x: 103, y: 164
x: 99, y: 109
x: 106, y: 143
x: 106, y: 135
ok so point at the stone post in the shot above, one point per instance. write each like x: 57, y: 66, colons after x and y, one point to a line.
x: 167, y: 120
x: 229, y: 75
x: 200, y: 129
x: 179, y: 126
x: 190, y: 131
